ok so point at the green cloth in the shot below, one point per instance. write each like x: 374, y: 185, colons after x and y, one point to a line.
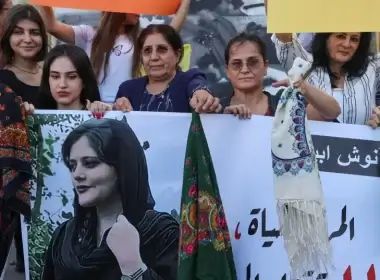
x: 205, y: 246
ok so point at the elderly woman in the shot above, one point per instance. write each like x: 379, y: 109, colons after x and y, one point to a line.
x: 165, y: 88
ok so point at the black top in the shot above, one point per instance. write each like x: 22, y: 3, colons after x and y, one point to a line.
x: 28, y: 93
x: 74, y: 254
x: 272, y: 102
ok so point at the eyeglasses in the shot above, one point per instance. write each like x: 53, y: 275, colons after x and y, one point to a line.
x: 160, y: 50
x: 251, y: 63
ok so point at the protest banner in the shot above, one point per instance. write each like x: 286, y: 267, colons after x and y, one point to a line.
x: 348, y: 160
x: 149, y: 7
x: 303, y: 16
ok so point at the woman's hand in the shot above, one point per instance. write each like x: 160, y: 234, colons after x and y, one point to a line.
x: 29, y: 108
x: 124, y: 241
x: 203, y: 102
x: 123, y: 104
x: 301, y: 84
x: 374, y: 120
x: 238, y: 110
x: 98, y: 108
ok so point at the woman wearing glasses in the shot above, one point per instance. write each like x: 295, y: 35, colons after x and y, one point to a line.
x: 246, y: 66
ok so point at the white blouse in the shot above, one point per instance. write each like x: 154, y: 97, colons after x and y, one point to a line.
x: 358, y: 96
x: 120, y: 61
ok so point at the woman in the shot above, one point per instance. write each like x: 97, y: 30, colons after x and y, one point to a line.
x: 92, y: 245
x: 246, y: 67
x: 343, y: 68
x: 165, y: 88
x: 110, y: 47
x: 24, y: 45
x: 68, y: 82
x: 16, y: 169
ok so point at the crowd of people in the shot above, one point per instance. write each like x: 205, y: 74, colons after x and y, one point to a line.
x: 120, y: 66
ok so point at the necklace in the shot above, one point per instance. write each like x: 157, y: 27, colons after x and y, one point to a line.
x: 26, y: 71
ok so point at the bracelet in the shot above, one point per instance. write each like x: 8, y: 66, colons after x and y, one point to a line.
x: 136, y: 275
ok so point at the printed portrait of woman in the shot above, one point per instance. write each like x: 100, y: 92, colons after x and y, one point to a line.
x: 115, y: 232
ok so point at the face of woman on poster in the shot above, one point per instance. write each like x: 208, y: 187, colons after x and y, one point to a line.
x: 94, y: 180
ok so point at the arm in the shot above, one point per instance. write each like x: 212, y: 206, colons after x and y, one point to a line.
x: 61, y: 31
x: 167, y: 260
x: 288, y: 47
x: 322, y: 106
x: 287, y: 51
x: 197, y: 83
x: 164, y: 246
x: 283, y: 37
x: 180, y: 17
x: 122, y: 102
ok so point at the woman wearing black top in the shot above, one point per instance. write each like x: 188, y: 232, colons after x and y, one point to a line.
x: 246, y: 65
x: 24, y: 45
x: 68, y: 82
x: 115, y: 232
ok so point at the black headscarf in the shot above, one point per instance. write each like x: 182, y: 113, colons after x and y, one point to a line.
x: 73, y: 251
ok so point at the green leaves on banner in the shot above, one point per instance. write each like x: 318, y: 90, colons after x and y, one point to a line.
x: 43, y: 155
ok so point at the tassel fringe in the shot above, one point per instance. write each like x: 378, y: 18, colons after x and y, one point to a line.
x: 303, y: 225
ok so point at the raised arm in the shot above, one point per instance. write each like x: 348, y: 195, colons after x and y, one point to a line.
x: 180, y: 17
x: 61, y: 31
x: 288, y: 47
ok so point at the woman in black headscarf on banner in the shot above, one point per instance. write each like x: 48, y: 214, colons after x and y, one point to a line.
x: 115, y: 233
x: 16, y: 169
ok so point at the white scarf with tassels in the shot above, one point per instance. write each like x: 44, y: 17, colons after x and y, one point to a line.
x: 298, y: 190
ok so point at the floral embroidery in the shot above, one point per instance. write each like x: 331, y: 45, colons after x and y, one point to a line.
x: 14, y: 152
x: 305, y: 161
x: 297, y: 128
x: 294, y: 166
x: 203, y: 225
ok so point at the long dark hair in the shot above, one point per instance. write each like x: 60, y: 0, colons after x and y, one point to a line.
x: 13, y: 17
x: 358, y: 64
x: 116, y: 144
x: 81, y: 63
x: 104, y: 40
x: 172, y: 37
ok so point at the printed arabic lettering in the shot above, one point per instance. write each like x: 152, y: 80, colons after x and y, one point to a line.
x: 355, y: 157
x: 254, y: 224
x: 267, y: 233
x: 253, y: 227
x: 308, y: 274
x: 343, y: 226
x: 324, y: 156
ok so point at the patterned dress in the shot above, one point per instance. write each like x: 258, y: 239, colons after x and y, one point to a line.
x: 15, y: 164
